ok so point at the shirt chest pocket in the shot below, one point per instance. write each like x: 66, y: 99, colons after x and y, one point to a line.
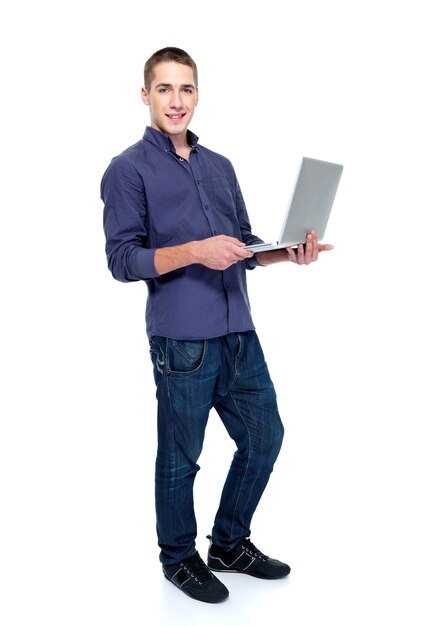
x: 224, y: 196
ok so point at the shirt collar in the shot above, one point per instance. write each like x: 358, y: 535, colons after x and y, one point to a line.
x: 164, y: 142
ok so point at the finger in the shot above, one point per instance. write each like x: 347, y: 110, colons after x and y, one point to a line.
x: 237, y: 242
x: 241, y: 253
x: 315, y: 254
x: 309, y: 249
x: 229, y: 239
x: 324, y: 247
x: 301, y: 254
x: 292, y: 256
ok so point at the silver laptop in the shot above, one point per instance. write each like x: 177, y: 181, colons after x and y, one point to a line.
x: 310, y: 204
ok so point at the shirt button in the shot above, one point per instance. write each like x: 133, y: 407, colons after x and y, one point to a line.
x: 181, y: 159
x: 206, y: 206
x: 215, y: 232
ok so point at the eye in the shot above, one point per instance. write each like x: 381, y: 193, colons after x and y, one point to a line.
x: 163, y: 90
x: 188, y: 90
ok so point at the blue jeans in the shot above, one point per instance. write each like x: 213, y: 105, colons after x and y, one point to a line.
x: 229, y: 374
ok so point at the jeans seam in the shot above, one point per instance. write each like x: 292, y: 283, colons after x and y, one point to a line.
x: 247, y: 463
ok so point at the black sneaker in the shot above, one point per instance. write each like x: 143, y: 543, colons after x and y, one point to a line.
x: 194, y: 578
x: 245, y: 558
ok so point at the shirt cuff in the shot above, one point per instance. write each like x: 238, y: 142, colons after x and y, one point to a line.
x: 252, y: 263
x: 144, y: 263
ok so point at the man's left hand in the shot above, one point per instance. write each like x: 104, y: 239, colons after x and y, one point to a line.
x: 308, y: 253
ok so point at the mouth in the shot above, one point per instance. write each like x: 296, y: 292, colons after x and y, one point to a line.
x: 175, y: 117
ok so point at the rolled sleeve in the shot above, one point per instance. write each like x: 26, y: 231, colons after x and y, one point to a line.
x: 252, y: 263
x: 128, y: 251
x: 245, y: 227
x: 143, y: 263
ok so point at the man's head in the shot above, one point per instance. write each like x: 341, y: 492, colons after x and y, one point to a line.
x: 171, y: 91
x: 167, y: 55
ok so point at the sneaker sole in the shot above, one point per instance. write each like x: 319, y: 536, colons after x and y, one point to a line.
x: 241, y: 571
x: 192, y: 597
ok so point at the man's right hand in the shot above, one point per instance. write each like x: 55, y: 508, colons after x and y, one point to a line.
x: 219, y: 252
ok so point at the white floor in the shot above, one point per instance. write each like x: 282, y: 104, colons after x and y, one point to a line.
x: 250, y: 601
x: 355, y: 505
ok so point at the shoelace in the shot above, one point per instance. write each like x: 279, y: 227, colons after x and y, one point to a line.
x: 253, y: 551
x: 197, y: 569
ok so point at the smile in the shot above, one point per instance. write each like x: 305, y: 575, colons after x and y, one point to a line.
x: 175, y: 116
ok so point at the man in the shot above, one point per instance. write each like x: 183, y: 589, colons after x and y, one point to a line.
x: 174, y: 217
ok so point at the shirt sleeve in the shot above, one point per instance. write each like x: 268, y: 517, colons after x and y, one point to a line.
x: 245, y: 227
x: 128, y: 251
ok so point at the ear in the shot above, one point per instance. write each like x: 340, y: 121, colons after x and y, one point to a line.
x: 145, y: 97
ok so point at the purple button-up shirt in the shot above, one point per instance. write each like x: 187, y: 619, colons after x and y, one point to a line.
x: 154, y: 198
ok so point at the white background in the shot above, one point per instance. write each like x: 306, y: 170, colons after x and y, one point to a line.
x: 355, y: 343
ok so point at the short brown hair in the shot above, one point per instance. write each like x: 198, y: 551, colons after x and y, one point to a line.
x: 164, y: 56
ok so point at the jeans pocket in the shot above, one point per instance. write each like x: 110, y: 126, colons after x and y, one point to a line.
x: 186, y: 357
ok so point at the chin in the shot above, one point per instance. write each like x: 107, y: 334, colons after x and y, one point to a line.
x: 176, y: 130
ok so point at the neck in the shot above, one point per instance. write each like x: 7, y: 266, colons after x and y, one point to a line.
x: 181, y: 146
x: 180, y: 141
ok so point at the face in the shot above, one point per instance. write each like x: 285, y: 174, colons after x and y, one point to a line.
x: 172, y: 98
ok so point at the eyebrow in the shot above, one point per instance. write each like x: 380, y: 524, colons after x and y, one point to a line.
x: 190, y: 86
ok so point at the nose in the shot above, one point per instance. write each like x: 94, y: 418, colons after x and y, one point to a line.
x: 176, y: 101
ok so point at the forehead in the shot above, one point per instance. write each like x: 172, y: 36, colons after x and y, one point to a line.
x: 173, y: 73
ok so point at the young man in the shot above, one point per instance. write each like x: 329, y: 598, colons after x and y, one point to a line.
x: 174, y: 217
